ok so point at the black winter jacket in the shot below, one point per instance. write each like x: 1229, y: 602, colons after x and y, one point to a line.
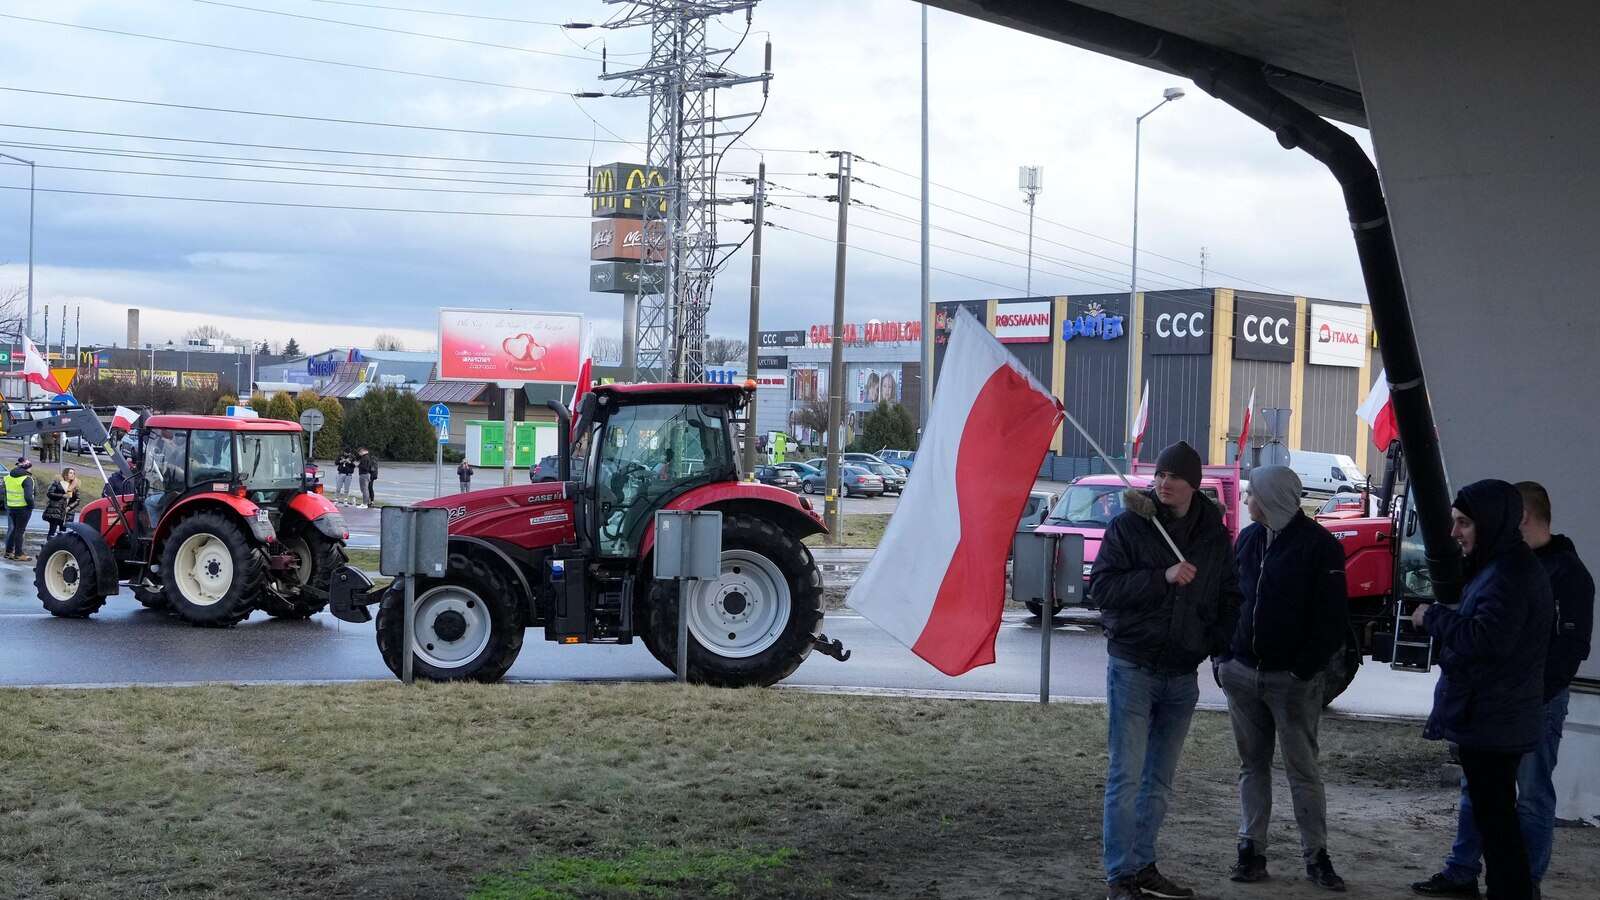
x: 367, y: 465
x: 1294, y: 614
x: 1492, y: 646
x: 1573, y: 588
x: 1158, y: 625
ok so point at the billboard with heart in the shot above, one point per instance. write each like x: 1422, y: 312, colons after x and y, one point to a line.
x: 509, y: 346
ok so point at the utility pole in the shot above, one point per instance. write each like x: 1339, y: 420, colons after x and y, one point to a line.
x: 833, y: 506
x: 753, y: 349
x: 1167, y: 96
x: 1030, y: 181
x: 630, y: 335
x: 926, y: 404
x: 1203, y: 260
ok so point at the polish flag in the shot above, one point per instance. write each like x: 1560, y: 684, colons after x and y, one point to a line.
x: 35, y: 371
x: 1244, y: 429
x: 1378, y: 412
x: 124, y: 418
x: 938, y: 581
x: 1142, y: 421
x: 585, y: 370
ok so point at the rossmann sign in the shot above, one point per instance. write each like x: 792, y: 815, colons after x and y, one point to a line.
x: 1022, y: 323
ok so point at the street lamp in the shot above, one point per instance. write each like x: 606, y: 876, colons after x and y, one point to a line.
x: 1167, y: 96
x: 1030, y: 181
x: 27, y: 329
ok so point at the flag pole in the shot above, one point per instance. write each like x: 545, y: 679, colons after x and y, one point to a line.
x: 1125, y: 482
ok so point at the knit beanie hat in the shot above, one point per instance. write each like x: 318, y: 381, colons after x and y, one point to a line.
x: 1181, y: 460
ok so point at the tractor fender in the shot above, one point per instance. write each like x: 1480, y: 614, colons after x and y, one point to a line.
x: 105, y: 565
x: 775, y: 504
x: 467, y: 544
x: 322, y: 513
x: 252, y: 516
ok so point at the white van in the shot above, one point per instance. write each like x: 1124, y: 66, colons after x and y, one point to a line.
x: 1326, y: 473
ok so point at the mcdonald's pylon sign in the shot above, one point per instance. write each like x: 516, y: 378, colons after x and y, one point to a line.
x: 621, y: 190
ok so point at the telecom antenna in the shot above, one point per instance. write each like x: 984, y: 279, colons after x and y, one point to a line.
x: 687, y: 139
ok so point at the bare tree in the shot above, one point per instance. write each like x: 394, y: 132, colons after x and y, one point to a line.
x: 214, y: 333
x: 723, y: 351
x: 607, y: 347
x: 13, y: 309
x: 387, y: 341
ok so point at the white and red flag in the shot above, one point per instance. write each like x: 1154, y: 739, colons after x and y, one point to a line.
x: 1244, y: 429
x: 1378, y: 412
x: 1141, y: 421
x: 35, y: 371
x: 938, y: 580
x: 585, y: 380
x: 124, y: 418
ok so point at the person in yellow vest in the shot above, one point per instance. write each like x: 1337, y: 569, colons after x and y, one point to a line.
x: 19, y: 507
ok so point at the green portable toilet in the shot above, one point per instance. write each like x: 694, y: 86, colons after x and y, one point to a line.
x: 524, y: 445
x: 486, y: 443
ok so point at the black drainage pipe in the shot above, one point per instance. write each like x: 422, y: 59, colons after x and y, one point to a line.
x: 1238, y: 81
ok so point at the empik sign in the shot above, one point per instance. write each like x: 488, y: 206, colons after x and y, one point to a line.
x: 1338, y: 335
x: 508, y: 346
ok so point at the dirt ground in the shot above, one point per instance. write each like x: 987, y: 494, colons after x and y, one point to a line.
x: 517, y: 792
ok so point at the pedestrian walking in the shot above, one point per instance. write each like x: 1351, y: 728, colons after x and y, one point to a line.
x: 464, y: 475
x: 19, y: 508
x: 1162, y: 616
x: 61, y: 502
x: 367, y: 474
x: 1292, y: 620
x: 345, y: 466
x: 1492, y: 652
x: 1573, y: 590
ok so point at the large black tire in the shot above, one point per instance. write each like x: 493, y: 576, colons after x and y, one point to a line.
x: 305, y: 594
x: 473, y: 597
x: 64, y: 579
x: 746, y: 541
x: 222, y: 568
x: 1341, y: 669
x: 1038, y: 608
x: 152, y: 598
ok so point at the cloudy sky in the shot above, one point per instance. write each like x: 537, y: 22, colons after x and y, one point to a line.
x: 846, y: 77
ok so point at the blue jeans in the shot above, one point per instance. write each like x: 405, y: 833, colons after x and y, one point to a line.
x: 1536, y: 805
x: 1149, y: 714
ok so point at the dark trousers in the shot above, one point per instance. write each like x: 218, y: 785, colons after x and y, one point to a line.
x: 1492, y: 786
x: 19, y: 525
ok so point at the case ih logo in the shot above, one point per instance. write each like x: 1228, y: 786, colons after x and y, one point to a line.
x: 1326, y: 335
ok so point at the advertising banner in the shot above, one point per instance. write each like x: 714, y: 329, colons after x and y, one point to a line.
x: 622, y: 240
x: 509, y: 346
x: 809, y: 383
x: 1022, y: 323
x: 1338, y: 335
x: 164, y: 376
x: 1263, y: 328
x: 125, y: 376
x: 766, y: 361
x: 610, y: 186
x: 1178, y: 323
x: 199, y: 381
x: 874, y: 384
x: 626, y: 278
x: 770, y: 339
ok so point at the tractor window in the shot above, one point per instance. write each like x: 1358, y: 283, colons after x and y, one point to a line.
x: 210, y: 457
x: 647, y: 453
x: 270, y: 461
x: 164, y: 452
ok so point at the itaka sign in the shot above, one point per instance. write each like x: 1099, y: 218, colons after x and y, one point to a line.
x: 509, y: 346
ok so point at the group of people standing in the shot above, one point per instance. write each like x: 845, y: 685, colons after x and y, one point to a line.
x: 361, y: 465
x: 1269, y: 610
x: 62, y: 501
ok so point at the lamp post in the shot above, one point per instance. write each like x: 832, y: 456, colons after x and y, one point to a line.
x: 28, y: 328
x: 1030, y: 181
x: 1167, y: 96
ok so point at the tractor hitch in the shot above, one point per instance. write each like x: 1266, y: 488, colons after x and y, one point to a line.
x: 834, y: 648
x: 349, y: 594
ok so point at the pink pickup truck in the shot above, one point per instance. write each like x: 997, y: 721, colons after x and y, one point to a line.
x: 1092, y: 501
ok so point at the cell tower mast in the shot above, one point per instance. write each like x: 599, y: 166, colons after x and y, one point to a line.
x: 686, y: 143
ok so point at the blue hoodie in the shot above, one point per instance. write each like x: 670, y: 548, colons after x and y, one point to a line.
x: 1490, y: 695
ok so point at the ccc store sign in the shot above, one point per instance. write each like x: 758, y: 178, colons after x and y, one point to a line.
x: 1178, y: 323
x: 1181, y: 325
x: 1263, y: 329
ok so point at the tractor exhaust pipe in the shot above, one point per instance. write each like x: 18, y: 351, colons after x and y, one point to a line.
x: 564, y: 437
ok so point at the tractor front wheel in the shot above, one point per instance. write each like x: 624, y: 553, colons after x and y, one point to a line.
x: 754, y: 624
x: 64, y: 576
x: 304, y: 593
x: 465, y: 625
x: 212, y: 572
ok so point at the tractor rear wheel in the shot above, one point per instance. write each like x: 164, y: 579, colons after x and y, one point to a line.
x: 754, y: 624
x: 305, y: 593
x: 465, y: 625
x: 64, y: 576
x: 213, y: 573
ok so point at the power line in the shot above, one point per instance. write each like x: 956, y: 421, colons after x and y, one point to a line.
x: 436, y: 12
x: 911, y: 262
x: 370, y: 187
x: 420, y: 34
x: 287, y: 56
x: 325, y: 119
x: 434, y: 212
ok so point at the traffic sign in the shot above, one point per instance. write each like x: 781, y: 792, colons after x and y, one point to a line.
x: 439, y: 416
x: 312, y: 420
x: 444, y: 433
x: 63, y: 400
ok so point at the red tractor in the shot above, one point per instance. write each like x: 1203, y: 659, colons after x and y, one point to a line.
x: 212, y: 521
x: 573, y: 556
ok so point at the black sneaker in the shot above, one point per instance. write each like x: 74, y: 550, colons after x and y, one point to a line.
x: 1123, y: 890
x: 1440, y: 886
x: 1251, y: 867
x: 1154, y: 884
x: 1320, y: 872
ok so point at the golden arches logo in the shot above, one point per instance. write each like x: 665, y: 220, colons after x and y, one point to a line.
x: 640, y: 179
x: 604, y: 188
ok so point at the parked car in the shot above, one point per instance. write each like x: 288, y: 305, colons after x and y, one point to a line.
x: 901, y: 458
x: 894, y: 480
x: 786, y: 478
x: 1348, y: 505
x: 854, y: 480
x: 800, y: 470
x: 549, y: 468
x: 1326, y: 473
x: 1039, y: 505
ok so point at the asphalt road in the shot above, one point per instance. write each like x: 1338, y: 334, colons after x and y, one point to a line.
x: 127, y: 644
